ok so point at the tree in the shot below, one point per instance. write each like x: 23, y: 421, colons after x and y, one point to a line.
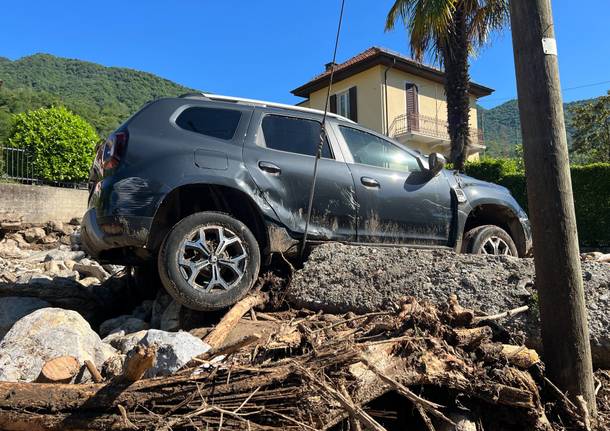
x: 60, y: 144
x: 591, y: 123
x: 451, y: 30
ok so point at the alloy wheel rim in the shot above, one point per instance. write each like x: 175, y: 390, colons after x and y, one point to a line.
x: 496, y: 246
x: 212, y: 258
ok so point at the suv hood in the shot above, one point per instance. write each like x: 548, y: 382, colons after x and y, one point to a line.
x: 468, y: 181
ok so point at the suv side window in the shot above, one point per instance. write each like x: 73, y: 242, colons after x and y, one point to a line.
x: 368, y: 149
x: 294, y: 135
x: 214, y: 122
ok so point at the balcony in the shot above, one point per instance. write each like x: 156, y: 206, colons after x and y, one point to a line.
x: 429, y: 134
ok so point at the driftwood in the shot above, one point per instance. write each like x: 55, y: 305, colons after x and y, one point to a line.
x: 59, y: 370
x: 95, y: 374
x: 472, y: 336
x: 215, y: 338
x: 330, y: 377
x: 140, y: 360
x: 520, y: 356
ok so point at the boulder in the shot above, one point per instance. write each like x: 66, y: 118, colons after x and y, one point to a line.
x: 124, y: 342
x: 170, y: 319
x: 174, y: 349
x: 61, y: 254
x: 126, y: 324
x: 9, y: 249
x: 160, y: 304
x: 88, y: 268
x: 113, y: 367
x: 89, y: 281
x: 46, y: 334
x: 14, y: 308
x: 34, y: 234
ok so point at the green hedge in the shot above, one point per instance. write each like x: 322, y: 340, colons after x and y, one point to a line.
x: 60, y: 144
x: 590, y: 185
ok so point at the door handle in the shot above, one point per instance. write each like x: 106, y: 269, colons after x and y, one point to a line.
x: 370, y: 182
x: 269, y: 167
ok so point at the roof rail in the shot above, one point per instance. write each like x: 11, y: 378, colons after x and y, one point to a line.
x: 263, y: 103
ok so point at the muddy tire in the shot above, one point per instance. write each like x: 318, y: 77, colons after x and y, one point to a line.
x: 209, y: 261
x: 489, y: 239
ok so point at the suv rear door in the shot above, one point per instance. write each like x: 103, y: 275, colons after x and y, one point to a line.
x: 399, y: 202
x: 279, y: 153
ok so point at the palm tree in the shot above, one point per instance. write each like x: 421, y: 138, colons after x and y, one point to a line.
x: 451, y: 30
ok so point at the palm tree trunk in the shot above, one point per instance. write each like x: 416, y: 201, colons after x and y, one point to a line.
x: 457, y: 86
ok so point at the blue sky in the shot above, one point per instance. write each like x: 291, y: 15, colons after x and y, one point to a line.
x: 264, y: 49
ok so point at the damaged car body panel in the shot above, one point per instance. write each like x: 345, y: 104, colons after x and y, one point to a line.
x: 181, y: 156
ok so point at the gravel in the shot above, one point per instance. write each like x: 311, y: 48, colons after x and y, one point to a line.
x: 338, y: 278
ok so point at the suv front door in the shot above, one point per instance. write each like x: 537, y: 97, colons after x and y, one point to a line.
x: 279, y: 154
x: 399, y: 202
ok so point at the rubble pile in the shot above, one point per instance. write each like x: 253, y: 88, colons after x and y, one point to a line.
x: 305, y: 370
x: 340, y: 278
x: 395, y: 339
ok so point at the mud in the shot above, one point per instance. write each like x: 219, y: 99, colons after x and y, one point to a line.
x: 340, y: 278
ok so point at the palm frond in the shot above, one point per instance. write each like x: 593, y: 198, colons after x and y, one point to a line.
x: 427, y: 22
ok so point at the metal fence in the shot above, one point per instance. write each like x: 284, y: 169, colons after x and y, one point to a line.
x: 17, y: 165
x: 427, y: 126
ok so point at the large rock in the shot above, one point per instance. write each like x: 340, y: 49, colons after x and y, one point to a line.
x: 88, y: 268
x: 34, y: 234
x: 9, y: 249
x: 174, y: 349
x: 125, y: 324
x: 46, y: 334
x: 14, y: 308
x: 340, y: 278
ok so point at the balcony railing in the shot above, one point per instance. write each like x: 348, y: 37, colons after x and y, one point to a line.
x: 427, y: 126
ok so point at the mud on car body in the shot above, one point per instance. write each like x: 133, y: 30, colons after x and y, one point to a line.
x: 208, y: 187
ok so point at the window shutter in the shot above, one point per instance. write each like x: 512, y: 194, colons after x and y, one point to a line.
x: 353, y: 104
x: 333, y: 103
x: 412, y: 107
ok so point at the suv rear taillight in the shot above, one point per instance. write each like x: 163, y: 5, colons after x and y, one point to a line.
x: 113, y: 150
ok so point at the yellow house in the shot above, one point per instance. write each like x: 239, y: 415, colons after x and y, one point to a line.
x: 394, y: 95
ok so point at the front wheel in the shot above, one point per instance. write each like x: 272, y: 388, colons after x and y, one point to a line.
x: 489, y: 239
x: 209, y: 261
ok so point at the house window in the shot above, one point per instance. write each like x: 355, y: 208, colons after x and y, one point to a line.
x: 343, y: 104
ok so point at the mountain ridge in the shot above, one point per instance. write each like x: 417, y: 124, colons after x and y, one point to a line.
x: 103, y: 95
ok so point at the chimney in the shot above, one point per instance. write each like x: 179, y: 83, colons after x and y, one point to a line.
x: 329, y: 66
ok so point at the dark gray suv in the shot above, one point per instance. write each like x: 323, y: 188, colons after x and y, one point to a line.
x: 208, y: 187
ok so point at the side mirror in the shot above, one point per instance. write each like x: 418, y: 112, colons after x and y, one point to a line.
x: 436, y: 163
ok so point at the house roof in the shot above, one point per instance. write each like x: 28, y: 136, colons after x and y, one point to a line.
x: 375, y: 56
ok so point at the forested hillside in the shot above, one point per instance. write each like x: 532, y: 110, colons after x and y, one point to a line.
x: 104, y: 96
x: 502, y: 128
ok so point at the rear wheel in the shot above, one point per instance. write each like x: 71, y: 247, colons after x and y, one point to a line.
x: 489, y: 239
x: 209, y: 261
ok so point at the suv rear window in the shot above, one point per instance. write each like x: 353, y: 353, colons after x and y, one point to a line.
x: 218, y: 123
x: 294, y: 135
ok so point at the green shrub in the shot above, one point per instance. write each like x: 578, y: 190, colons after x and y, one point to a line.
x: 590, y: 185
x: 491, y: 169
x: 60, y: 144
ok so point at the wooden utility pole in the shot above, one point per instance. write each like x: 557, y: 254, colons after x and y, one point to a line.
x: 565, y: 335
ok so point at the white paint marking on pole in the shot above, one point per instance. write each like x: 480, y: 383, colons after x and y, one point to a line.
x: 549, y: 46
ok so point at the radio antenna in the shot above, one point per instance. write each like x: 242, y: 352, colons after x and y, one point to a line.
x: 323, y: 134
